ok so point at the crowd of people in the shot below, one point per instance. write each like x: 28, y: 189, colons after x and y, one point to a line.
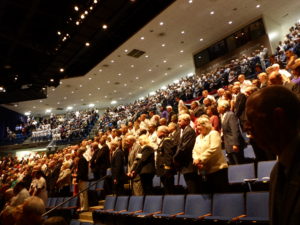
x: 163, y: 136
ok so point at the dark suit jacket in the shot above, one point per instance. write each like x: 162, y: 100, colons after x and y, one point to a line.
x: 239, y: 107
x: 285, y: 192
x: 100, y: 160
x: 118, y: 166
x: 199, y: 111
x: 83, y: 169
x: 164, y: 161
x: 231, y: 132
x: 183, y: 156
x: 170, y: 114
x: 145, y: 164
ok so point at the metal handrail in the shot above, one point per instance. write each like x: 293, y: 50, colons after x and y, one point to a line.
x: 90, y: 185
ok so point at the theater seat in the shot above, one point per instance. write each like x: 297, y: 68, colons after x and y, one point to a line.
x: 172, y: 205
x: 135, y: 205
x: 152, y: 205
x: 257, y: 207
x: 264, y: 169
x: 121, y: 204
x: 240, y: 175
x: 196, y: 206
x: 75, y: 222
x: 227, y: 207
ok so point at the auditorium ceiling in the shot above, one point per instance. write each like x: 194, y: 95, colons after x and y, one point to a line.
x: 138, y: 57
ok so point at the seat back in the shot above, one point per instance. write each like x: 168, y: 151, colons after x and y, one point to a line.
x: 197, y: 205
x: 173, y: 204
x: 135, y: 203
x: 257, y: 205
x: 73, y: 202
x: 238, y: 173
x: 59, y: 201
x: 75, y: 222
x: 249, y: 152
x: 110, y: 202
x: 182, y: 181
x: 228, y: 205
x: 108, y: 172
x: 121, y: 203
x: 264, y: 169
x: 152, y: 203
x: 100, y: 185
x: 156, y: 181
x: 51, y: 202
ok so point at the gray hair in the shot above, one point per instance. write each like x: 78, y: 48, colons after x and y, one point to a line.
x: 185, y: 117
x: 205, y: 122
x: 163, y: 129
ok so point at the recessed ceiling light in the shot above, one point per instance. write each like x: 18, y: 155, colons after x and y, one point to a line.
x: 141, y: 87
x: 91, y: 8
x: 81, y: 99
x: 142, y: 38
x: 105, y: 96
x: 181, y: 51
x: 112, y: 61
x: 95, y: 1
x: 58, y: 32
x: 130, y: 93
x: 72, y: 92
x: 152, y: 81
x: 137, y: 78
x: 132, y: 66
x: 119, y: 74
x: 69, y: 107
x: 257, y: 6
x: 90, y: 78
x: 76, y: 8
x: 86, y: 12
x: 113, y: 102
x: 15, y: 105
x: 91, y: 105
x: 115, y: 91
x: 53, y: 89
x: 182, y: 32
x: 104, y: 26
x: 163, y: 87
x: 100, y: 70
x: 90, y: 94
x: 87, y: 44
x: 190, y: 1
x: 163, y: 45
x: 125, y: 85
x: 41, y: 101
x: 201, y: 39
x: 166, y: 74
x: 180, y: 66
x: 33, y: 107
x: 48, y: 110
x: 60, y: 82
x: 161, y: 23
x: 51, y: 80
x: 61, y: 70
x: 65, y: 98
x: 27, y: 113
x: 230, y: 22
x: 77, y: 23
x: 82, y: 16
x: 98, y: 88
x: 108, y: 81
x: 165, y: 61
x: 58, y: 103
x: 212, y: 12
x: 80, y: 85
x: 146, y: 56
x: 126, y: 50
x: 149, y: 70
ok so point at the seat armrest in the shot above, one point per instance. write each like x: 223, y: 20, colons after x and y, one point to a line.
x: 203, y: 216
x: 177, y: 214
x: 250, y: 180
x: 124, y: 210
x: 138, y: 211
x: 154, y: 213
x: 238, y: 217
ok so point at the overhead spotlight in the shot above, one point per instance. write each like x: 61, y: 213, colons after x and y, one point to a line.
x: 87, y: 44
x: 146, y: 56
x: 108, y: 81
x: 82, y: 16
x: 16, y: 78
x: 69, y: 107
x: 132, y: 66
x: 182, y: 32
x: 95, y: 1
x: 212, y: 12
x: 126, y: 50
x: 65, y: 98
x: 125, y: 85
x: 152, y: 93
x: 152, y: 81
x: 58, y: 32
x: 150, y: 70
x: 230, y: 22
x: 76, y: 8
x: 61, y: 70
x: 161, y: 23
x: 141, y: 87
x: 27, y: 113
x: 104, y: 26
x: 142, y: 38
x: 163, y: 87
x: 86, y: 12
x: 113, y: 102
x: 180, y: 66
x: 190, y: 1
x: 176, y: 81
x: 165, y: 61
x: 119, y: 74
x: 163, y: 45
x: 130, y: 93
x: 91, y: 105
x: 15, y: 105
x: 90, y: 94
x: 48, y: 110
x: 201, y: 39
x: 137, y: 78
x: 115, y: 91
x: 100, y: 70
x: 181, y: 51
x: 257, y: 6
x: 90, y: 78
x: 51, y: 80
x: 77, y: 23
x: 112, y: 61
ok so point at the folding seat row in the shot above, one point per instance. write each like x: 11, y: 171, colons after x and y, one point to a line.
x: 53, y: 202
x: 77, y: 222
x: 173, y: 209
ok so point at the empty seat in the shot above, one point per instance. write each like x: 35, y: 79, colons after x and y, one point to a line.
x: 257, y: 207
x: 182, y: 181
x: 227, y: 206
x: 156, y: 181
x: 135, y: 205
x: 51, y: 202
x: 264, y: 169
x: 196, y: 206
x: 152, y: 205
x: 172, y: 205
x: 121, y: 204
x: 241, y: 173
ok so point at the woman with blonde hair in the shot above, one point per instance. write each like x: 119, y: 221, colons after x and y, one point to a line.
x: 208, y: 157
x: 145, y: 166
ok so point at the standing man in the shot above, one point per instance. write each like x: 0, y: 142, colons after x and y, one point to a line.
x: 164, y: 165
x: 83, y: 181
x: 273, y: 115
x: 183, y: 157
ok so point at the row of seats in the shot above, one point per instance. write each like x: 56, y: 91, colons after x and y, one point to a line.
x: 55, y: 201
x: 220, y: 207
x: 77, y: 222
